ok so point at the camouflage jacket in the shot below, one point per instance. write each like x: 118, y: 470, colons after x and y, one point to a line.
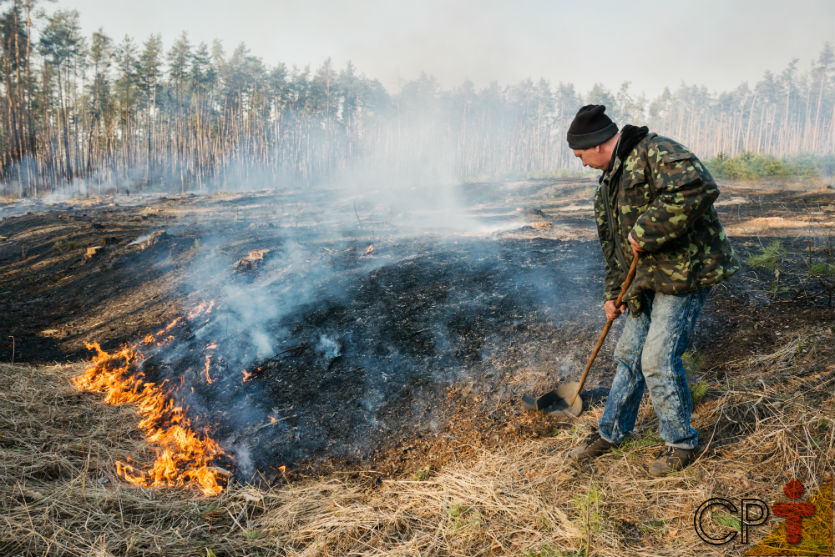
x: 660, y: 192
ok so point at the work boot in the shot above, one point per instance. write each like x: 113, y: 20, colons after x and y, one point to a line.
x: 592, y: 447
x: 672, y: 459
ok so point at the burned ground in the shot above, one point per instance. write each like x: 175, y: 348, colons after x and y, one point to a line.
x: 405, y: 348
x: 369, y: 362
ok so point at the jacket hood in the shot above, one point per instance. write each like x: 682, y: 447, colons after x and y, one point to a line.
x: 629, y: 137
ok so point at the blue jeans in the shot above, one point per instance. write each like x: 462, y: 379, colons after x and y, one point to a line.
x: 648, y: 354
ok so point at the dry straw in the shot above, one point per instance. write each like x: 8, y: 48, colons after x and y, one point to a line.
x: 769, y: 419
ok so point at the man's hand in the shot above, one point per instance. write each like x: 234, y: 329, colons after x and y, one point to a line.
x: 636, y: 249
x: 613, y: 312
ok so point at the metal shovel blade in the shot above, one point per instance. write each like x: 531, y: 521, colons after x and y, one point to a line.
x: 556, y: 401
x: 565, y: 399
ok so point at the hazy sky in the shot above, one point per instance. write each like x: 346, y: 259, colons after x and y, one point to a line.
x: 652, y: 43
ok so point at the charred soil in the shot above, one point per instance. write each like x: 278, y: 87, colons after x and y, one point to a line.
x: 413, y: 348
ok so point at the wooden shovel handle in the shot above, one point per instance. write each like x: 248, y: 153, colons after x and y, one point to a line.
x: 629, y: 276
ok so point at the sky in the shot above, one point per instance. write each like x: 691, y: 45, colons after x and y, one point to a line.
x: 650, y: 43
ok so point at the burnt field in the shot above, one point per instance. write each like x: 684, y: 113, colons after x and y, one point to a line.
x: 347, y: 375
x: 345, y: 334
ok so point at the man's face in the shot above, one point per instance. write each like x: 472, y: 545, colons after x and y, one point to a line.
x: 593, y: 157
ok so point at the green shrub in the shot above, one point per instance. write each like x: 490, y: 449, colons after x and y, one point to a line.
x: 809, y: 164
x: 767, y: 259
x: 587, y: 506
x: 822, y: 269
x: 698, y: 390
x: 692, y: 362
x: 749, y: 166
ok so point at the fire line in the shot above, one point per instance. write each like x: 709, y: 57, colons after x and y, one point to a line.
x: 184, y: 456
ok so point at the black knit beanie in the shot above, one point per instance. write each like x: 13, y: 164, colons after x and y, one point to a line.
x: 590, y: 127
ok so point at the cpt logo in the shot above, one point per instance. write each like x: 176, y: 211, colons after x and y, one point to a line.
x: 753, y: 512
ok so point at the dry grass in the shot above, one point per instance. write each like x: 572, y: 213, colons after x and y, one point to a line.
x: 770, y: 421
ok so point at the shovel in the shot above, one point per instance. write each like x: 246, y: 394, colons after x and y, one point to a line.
x: 565, y: 399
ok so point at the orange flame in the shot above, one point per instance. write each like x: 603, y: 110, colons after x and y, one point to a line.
x: 247, y: 375
x: 200, y: 309
x: 197, y: 310
x: 167, y: 327
x: 185, y: 456
x: 206, y: 368
x: 208, y: 363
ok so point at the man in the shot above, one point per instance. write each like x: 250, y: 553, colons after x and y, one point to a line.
x: 654, y: 202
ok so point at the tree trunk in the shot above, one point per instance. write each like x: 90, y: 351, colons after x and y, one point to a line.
x: 65, y: 124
